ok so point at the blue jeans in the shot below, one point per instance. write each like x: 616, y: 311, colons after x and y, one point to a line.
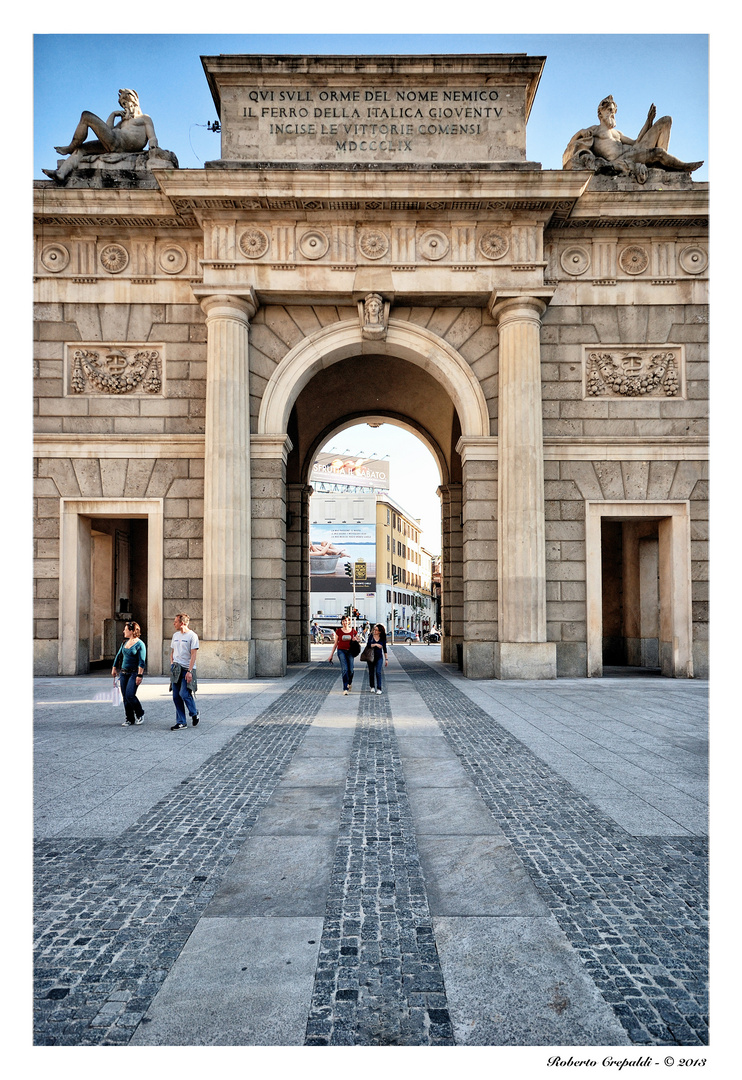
x: 375, y: 667
x: 182, y: 696
x: 346, y: 667
x: 132, y: 705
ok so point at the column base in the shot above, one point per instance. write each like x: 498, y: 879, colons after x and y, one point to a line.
x: 270, y: 658
x: 225, y: 660
x: 479, y: 659
x: 525, y: 660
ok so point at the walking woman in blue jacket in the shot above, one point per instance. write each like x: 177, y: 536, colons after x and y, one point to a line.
x: 130, y: 661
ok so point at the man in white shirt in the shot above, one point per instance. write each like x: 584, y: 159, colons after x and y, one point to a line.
x: 183, y: 649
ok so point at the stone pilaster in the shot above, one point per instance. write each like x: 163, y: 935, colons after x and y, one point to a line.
x: 479, y: 555
x: 451, y: 576
x: 269, y: 454
x: 522, y: 651
x: 297, y: 573
x: 225, y: 649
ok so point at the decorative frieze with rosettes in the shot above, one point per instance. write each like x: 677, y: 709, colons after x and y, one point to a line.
x: 141, y: 259
x: 108, y: 369
x: 634, y: 371
x: 602, y: 261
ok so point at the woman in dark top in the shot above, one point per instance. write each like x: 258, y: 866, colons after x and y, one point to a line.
x: 130, y: 661
x: 343, y: 638
x: 377, y: 642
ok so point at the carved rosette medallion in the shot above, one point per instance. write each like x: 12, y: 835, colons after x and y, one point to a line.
x: 253, y: 243
x: 633, y: 260
x: 433, y: 245
x: 494, y: 245
x: 114, y: 258
x: 117, y: 371
x: 314, y: 244
x: 638, y: 372
x: 693, y: 260
x: 575, y: 261
x: 55, y: 257
x: 173, y: 259
x: 373, y: 243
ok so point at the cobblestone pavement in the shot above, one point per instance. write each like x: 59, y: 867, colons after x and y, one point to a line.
x: 635, y: 909
x: 378, y: 980
x: 114, y: 913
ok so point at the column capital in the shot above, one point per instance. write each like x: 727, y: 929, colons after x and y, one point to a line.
x: 229, y: 305
x: 528, y: 307
x: 271, y: 447
x: 477, y: 448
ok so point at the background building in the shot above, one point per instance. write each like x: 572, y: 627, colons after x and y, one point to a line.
x: 353, y: 520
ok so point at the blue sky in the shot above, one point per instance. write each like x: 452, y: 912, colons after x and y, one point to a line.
x: 72, y: 72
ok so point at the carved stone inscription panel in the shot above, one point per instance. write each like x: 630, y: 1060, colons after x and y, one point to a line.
x: 95, y: 369
x: 388, y: 109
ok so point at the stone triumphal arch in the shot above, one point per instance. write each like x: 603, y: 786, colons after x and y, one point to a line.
x: 372, y: 243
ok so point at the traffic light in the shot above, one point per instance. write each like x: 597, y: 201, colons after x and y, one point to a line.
x: 356, y: 613
x: 346, y: 610
x: 348, y: 570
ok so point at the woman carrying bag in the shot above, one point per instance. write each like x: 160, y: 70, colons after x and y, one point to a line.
x: 375, y: 656
x: 130, y: 661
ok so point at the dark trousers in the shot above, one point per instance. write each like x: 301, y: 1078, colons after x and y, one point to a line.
x: 346, y: 667
x: 375, y: 668
x: 132, y: 705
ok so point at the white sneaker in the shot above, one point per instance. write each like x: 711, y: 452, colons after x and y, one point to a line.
x: 378, y: 691
x: 345, y: 691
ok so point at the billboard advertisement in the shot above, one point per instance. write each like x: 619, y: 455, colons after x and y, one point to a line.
x: 333, y: 468
x: 332, y: 546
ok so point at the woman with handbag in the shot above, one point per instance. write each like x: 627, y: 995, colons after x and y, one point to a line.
x: 346, y: 643
x: 130, y: 661
x: 375, y: 656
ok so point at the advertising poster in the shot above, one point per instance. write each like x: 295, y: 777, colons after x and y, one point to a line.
x: 371, y: 473
x: 331, y: 547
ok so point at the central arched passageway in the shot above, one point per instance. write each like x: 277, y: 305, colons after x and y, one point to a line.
x: 336, y: 377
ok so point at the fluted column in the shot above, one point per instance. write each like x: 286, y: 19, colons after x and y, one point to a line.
x: 523, y: 651
x: 227, y: 518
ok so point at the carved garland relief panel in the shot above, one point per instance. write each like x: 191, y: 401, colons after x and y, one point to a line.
x: 634, y: 371
x: 102, y: 369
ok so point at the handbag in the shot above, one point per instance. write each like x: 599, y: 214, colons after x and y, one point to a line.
x: 367, y: 654
x: 354, y: 648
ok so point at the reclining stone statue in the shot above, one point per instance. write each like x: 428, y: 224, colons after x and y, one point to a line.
x: 603, y: 148
x: 125, y: 134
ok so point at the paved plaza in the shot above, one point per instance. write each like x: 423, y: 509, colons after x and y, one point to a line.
x: 450, y: 863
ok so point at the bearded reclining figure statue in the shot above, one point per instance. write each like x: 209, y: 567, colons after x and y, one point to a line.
x: 603, y: 148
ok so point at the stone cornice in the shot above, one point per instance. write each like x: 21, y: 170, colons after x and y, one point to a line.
x: 118, y: 446
x: 638, y: 209
x: 556, y: 447
x: 504, y: 192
